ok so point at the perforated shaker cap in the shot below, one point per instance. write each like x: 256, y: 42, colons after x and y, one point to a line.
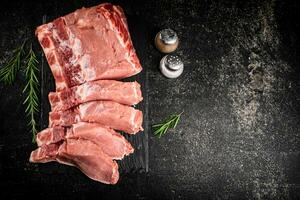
x: 171, y: 66
x: 173, y: 62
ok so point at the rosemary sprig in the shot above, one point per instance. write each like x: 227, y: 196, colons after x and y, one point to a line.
x: 31, y: 88
x: 162, y: 128
x: 8, y: 75
x: 9, y: 71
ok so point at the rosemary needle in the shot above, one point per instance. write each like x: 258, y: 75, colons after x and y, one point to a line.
x: 162, y: 128
x: 31, y: 90
x: 9, y: 71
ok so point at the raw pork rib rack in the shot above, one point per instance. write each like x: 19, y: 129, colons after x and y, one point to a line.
x: 88, y: 51
x: 89, y: 44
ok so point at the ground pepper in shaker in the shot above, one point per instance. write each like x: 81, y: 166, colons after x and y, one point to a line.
x: 166, y: 40
x: 171, y: 66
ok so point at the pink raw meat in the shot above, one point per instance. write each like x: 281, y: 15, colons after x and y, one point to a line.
x: 83, y: 154
x: 88, y: 51
x: 112, y: 143
x: 128, y: 93
x: 108, y: 113
x: 45, y: 153
x: 89, y: 44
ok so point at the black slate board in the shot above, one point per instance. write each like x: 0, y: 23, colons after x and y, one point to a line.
x: 138, y: 161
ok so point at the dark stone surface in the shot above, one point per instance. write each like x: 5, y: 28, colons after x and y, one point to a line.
x: 239, y: 137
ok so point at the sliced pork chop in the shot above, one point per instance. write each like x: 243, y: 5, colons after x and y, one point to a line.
x: 51, y: 135
x: 112, y: 143
x: 89, y: 44
x: 83, y: 154
x: 107, y: 113
x: 90, y: 159
x: 128, y: 93
x: 45, y: 153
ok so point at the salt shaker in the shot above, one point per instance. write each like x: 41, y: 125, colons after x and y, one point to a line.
x: 171, y: 66
x: 166, y: 40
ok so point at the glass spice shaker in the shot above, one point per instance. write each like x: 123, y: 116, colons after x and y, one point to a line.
x: 171, y: 66
x: 166, y: 40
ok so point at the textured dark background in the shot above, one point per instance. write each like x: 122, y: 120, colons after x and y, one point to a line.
x: 239, y: 137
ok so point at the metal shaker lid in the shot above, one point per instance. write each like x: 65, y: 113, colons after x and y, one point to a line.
x: 171, y: 66
x: 168, y: 36
x: 173, y: 62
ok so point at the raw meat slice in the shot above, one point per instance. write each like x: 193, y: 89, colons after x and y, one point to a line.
x: 51, y: 135
x: 45, y: 153
x: 89, y: 44
x: 108, y: 113
x: 112, y: 143
x: 84, y: 154
x: 128, y: 93
x: 91, y: 160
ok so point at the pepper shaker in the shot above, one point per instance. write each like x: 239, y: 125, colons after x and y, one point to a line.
x: 171, y: 66
x: 166, y: 40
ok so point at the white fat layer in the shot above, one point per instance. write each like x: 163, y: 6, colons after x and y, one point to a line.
x: 77, y: 118
x: 83, y: 90
x: 82, y: 109
x: 81, y: 23
x: 73, y: 43
x: 77, y: 50
x: 85, y: 63
x: 47, y: 51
